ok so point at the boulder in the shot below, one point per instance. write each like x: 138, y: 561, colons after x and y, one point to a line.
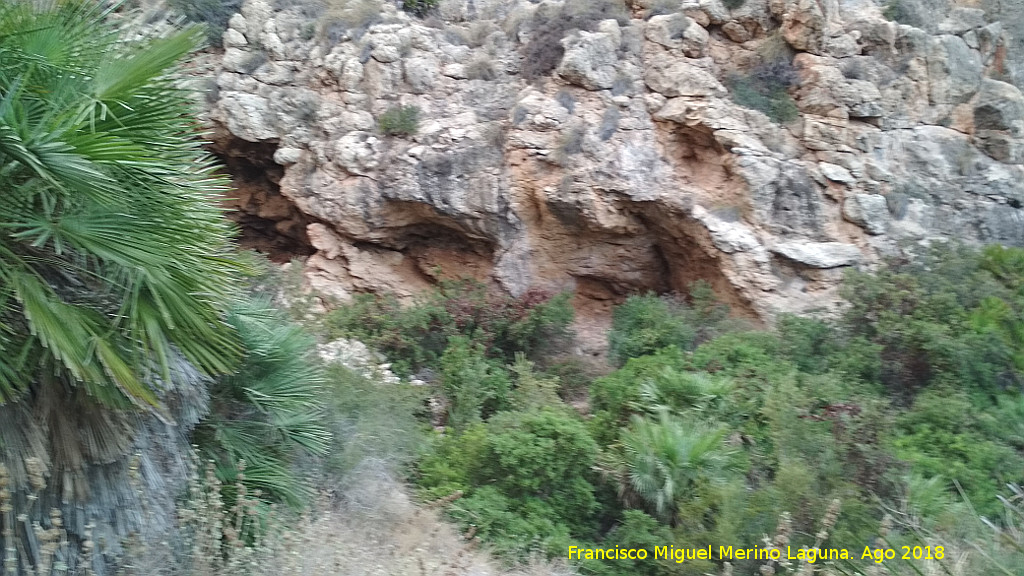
x: 954, y: 71
x: 819, y: 254
x: 589, y: 60
x: 1000, y: 106
x: 869, y: 211
x: 803, y: 25
x: 681, y: 78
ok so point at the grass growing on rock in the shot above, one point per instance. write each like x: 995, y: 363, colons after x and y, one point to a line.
x: 400, y: 121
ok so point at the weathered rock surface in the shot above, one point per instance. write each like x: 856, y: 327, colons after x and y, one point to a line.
x: 630, y: 167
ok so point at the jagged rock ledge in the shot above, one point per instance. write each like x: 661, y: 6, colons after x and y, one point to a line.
x: 629, y: 167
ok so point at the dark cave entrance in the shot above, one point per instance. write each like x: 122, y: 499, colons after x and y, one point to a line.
x: 268, y: 222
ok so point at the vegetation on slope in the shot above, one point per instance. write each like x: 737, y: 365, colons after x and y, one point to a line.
x: 709, y: 432
x: 121, y: 305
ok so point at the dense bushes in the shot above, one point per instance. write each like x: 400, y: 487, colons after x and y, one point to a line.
x: 709, y: 431
x: 645, y: 324
x: 415, y: 337
x: 525, y: 479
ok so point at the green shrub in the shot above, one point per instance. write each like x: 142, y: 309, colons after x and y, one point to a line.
x: 526, y: 477
x: 644, y: 324
x: 940, y: 437
x: 636, y: 531
x: 514, y: 529
x: 419, y: 7
x: 941, y: 335
x: 213, y: 13
x: 613, y: 396
x: 807, y: 342
x: 766, y: 88
x: 400, y: 121
x: 943, y: 317
x: 406, y: 335
x: 474, y: 386
x: 547, y: 455
x: 774, y: 102
x: 415, y: 336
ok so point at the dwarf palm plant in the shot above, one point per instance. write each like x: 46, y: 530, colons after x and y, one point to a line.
x: 112, y: 253
x: 115, y: 267
x: 269, y: 409
x: 661, y: 459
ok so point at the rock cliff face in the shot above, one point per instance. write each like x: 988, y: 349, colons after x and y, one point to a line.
x: 600, y: 147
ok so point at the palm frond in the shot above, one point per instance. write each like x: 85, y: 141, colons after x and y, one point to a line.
x: 117, y: 255
x: 664, y: 455
x: 270, y: 408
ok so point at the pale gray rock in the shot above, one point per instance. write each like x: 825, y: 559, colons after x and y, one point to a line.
x: 589, y: 60
x: 954, y: 70
x: 666, y: 29
x: 869, y: 211
x: 286, y: 156
x: 357, y: 152
x: 681, y: 78
x: 962, y: 19
x: 785, y: 198
x: 843, y: 46
x: 1000, y: 106
x: 836, y: 173
x: 420, y: 73
x: 729, y: 237
x: 573, y: 179
x: 457, y: 71
x: 237, y: 23
x: 386, y: 51
x: 249, y: 116
x: 819, y: 254
x: 234, y: 39
x: 677, y: 31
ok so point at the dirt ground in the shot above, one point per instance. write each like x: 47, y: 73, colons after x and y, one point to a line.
x: 374, y: 529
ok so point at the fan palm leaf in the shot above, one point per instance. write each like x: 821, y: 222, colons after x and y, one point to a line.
x: 270, y: 408
x: 663, y: 456
x: 113, y: 254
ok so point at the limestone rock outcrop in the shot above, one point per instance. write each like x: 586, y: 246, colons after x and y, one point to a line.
x: 630, y: 166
